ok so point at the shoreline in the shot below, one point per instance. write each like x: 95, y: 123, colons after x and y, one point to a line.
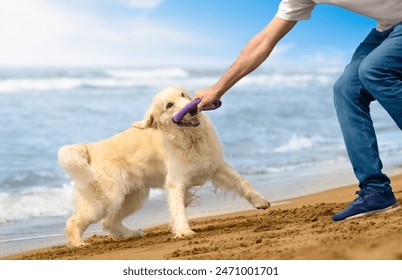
x: 300, y: 228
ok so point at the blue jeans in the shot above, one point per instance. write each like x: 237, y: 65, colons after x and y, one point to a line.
x: 375, y: 73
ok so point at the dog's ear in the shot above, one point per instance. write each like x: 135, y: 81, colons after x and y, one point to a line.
x: 147, y: 122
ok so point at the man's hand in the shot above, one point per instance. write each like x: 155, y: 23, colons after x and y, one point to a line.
x: 207, y: 96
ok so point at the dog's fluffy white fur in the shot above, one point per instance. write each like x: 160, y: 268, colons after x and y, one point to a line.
x: 113, y: 177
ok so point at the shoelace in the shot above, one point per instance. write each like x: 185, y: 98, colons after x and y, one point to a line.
x: 362, y: 194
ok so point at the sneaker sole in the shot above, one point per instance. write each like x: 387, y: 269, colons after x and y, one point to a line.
x: 391, y: 209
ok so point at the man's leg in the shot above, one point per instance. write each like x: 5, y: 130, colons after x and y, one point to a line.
x: 352, y: 101
x: 352, y: 104
x: 381, y: 74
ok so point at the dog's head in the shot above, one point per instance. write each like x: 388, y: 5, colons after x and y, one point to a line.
x: 164, y: 107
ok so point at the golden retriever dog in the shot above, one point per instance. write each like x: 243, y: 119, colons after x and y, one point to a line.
x: 113, y: 177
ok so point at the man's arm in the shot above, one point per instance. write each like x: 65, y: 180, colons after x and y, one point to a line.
x: 253, y: 55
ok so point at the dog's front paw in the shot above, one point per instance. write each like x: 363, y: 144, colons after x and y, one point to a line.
x: 259, y: 202
x: 184, y: 233
x: 262, y: 204
x: 77, y: 244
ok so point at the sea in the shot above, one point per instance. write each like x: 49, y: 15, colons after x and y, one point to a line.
x: 277, y: 126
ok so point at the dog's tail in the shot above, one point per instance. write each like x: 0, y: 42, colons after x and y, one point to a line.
x: 74, y: 159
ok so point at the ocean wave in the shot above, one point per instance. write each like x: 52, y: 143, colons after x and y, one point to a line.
x: 158, y: 77
x: 18, y: 85
x: 252, y: 170
x: 106, y: 79
x: 148, y: 73
x: 14, y: 85
x: 28, y: 179
x: 40, y: 202
x: 36, y: 202
x: 287, y: 80
x: 297, y: 143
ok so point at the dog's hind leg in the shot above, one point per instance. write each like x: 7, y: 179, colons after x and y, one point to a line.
x: 229, y: 179
x: 81, y: 220
x: 132, y: 203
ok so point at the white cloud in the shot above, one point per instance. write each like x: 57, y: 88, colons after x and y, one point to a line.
x: 144, y: 4
x: 32, y: 22
x: 30, y: 28
x: 37, y: 32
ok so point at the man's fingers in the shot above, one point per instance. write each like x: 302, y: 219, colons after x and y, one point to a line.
x: 206, y: 99
x: 201, y: 105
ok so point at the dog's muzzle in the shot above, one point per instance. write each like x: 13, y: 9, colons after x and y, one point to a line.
x: 191, y: 108
x: 190, y: 119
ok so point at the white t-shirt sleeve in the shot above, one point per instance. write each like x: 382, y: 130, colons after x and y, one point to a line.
x: 295, y: 10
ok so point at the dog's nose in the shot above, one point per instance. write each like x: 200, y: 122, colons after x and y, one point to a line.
x: 193, y: 112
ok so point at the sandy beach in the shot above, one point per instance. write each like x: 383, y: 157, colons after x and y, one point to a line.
x: 299, y: 229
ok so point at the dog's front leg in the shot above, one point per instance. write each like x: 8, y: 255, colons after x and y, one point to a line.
x: 176, y: 200
x: 228, y: 178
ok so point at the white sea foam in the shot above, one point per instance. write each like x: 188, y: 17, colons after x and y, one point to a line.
x: 156, y: 193
x: 148, y: 73
x: 158, y: 77
x: 13, y: 85
x: 296, y: 143
x: 113, y: 78
x: 36, y: 202
x: 261, y: 170
x: 287, y: 80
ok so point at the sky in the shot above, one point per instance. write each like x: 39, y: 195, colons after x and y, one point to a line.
x: 166, y: 33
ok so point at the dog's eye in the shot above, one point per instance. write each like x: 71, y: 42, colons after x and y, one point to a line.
x: 169, y: 105
x: 182, y: 94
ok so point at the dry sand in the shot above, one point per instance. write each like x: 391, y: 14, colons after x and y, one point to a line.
x: 301, y: 229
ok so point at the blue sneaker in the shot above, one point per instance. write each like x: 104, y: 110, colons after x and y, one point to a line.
x: 369, y: 202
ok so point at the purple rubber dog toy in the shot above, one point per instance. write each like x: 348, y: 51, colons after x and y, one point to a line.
x: 193, y: 106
